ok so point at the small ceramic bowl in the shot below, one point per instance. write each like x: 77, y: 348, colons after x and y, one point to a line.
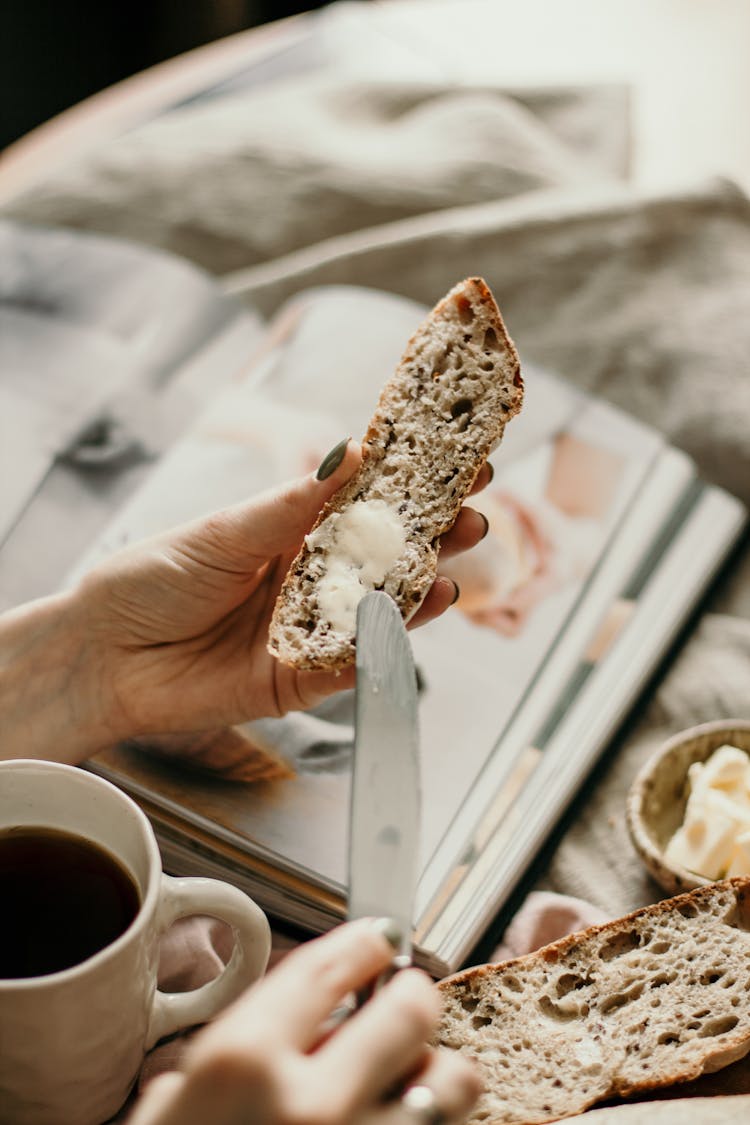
x: 658, y: 796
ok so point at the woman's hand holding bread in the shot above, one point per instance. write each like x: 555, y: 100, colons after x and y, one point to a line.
x: 171, y: 634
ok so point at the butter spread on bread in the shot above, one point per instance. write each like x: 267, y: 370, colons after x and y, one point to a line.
x: 658, y: 997
x: 361, y: 544
x: 438, y: 418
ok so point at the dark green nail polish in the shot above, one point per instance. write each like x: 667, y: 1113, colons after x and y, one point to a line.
x: 332, y: 460
x: 486, y: 526
x: 491, y: 467
x: 390, y: 930
x: 457, y: 594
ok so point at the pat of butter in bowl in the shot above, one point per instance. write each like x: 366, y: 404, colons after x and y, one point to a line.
x: 714, y: 838
x: 361, y: 545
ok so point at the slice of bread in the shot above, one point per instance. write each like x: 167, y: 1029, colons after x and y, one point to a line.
x: 658, y: 997
x: 438, y: 419
x: 683, y: 1111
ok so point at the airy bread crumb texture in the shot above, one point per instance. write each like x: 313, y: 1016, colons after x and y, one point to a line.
x: 655, y: 998
x: 437, y: 420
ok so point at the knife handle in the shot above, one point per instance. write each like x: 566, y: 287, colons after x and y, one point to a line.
x: 346, y: 1010
x: 401, y: 961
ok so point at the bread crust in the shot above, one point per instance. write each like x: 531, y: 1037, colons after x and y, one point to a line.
x: 655, y: 997
x: 437, y: 420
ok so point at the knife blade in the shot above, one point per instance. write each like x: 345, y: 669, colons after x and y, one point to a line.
x: 384, y: 817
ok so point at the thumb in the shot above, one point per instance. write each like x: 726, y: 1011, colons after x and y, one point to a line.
x: 275, y: 522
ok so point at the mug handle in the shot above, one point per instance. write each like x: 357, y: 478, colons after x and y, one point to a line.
x: 180, y: 898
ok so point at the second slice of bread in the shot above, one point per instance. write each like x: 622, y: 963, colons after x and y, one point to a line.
x: 438, y: 419
x: 658, y: 997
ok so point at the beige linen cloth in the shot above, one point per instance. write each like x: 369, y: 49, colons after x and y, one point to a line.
x: 375, y: 169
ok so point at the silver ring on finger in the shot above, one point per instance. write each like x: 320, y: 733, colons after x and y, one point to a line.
x: 422, y: 1105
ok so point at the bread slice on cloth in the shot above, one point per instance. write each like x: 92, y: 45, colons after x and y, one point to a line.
x: 683, y: 1111
x: 438, y: 419
x: 658, y: 997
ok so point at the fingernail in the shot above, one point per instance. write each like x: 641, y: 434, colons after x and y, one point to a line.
x: 457, y: 594
x: 491, y: 467
x: 332, y: 460
x: 486, y: 526
x: 390, y: 930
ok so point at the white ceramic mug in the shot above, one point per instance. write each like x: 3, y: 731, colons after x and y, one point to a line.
x: 72, y: 1042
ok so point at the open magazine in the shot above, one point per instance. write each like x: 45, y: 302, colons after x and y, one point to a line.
x: 601, y: 540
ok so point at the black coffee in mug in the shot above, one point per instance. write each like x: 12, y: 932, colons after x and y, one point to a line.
x: 63, y: 898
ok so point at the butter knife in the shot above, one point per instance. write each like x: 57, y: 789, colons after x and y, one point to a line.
x: 384, y: 818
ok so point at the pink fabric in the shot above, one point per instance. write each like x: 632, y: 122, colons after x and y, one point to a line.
x: 193, y: 952
x: 545, y: 917
x: 195, y: 949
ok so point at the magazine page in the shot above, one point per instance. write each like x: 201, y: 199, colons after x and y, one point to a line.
x: 606, y: 609
x: 568, y: 470
x: 651, y: 608
x: 107, y: 350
